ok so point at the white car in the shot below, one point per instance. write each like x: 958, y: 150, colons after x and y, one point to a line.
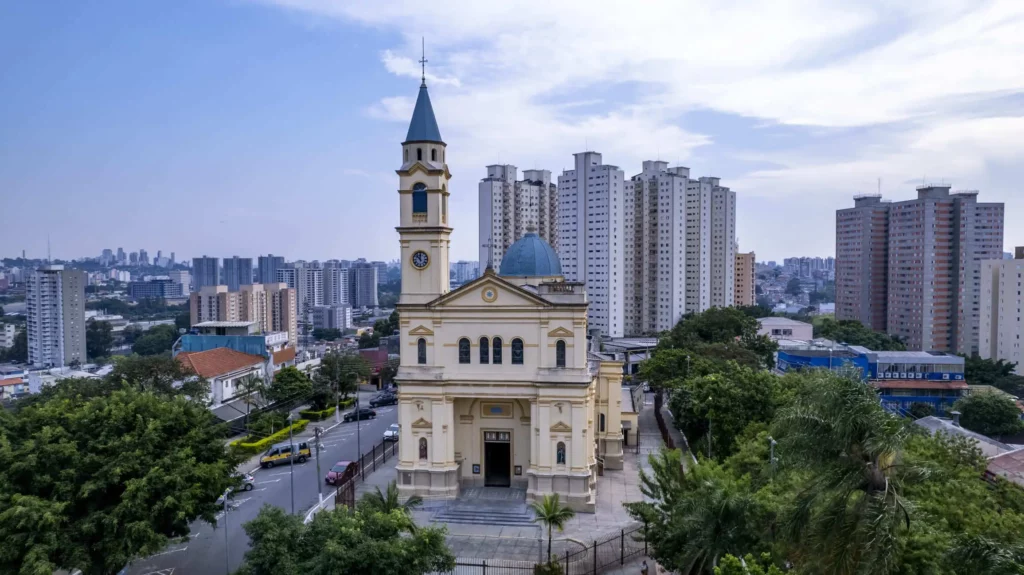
x: 391, y: 434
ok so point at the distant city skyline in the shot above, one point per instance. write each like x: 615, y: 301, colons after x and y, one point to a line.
x: 128, y: 124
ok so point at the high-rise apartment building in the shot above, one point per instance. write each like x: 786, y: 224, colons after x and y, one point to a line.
x: 236, y: 272
x: 362, y: 284
x: 205, y: 272
x: 465, y: 271
x: 744, y: 293
x: 862, y: 262
x: 509, y: 206
x: 55, y: 316
x: 182, y: 278
x: 680, y: 239
x: 133, y: 258
x: 382, y: 271
x: 143, y: 258
x: 310, y: 289
x: 934, y: 248
x: 591, y: 238
x: 332, y: 317
x: 1000, y: 326
x: 121, y: 258
x: 335, y: 284
x: 267, y: 267
x: 288, y: 275
x: 273, y: 307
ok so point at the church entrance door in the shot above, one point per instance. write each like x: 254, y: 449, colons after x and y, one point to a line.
x: 497, y: 459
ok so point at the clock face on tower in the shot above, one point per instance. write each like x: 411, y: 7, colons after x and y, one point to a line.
x: 420, y: 260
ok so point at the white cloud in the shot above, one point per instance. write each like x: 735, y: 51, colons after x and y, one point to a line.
x: 519, y: 82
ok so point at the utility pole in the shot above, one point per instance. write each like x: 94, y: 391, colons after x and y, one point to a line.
x: 771, y: 457
x: 359, y: 445
x: 227, y: 542
x: 291, y: 462
x: 319, y: 485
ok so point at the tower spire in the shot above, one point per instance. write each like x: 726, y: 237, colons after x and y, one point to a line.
x: 423, y: 61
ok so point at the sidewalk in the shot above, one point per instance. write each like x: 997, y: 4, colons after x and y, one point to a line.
x: 253, y: 463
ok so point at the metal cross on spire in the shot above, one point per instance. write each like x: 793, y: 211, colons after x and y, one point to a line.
x: 423, y: 61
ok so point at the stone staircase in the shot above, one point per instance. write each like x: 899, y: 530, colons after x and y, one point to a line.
x: 487, y: 506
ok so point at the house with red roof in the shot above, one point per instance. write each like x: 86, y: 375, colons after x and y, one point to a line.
x: 224, y: 367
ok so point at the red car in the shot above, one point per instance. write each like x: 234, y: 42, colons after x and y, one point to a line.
x: 342, y: 472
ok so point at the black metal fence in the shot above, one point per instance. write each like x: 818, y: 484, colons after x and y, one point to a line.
x: 602, y: 555
x: 368, y: 463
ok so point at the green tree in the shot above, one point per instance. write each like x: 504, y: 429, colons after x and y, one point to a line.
x: 159, y: 374
x: 326, y: 334
x: 338, y: 376
x: 19, y: 350
x: 852, y: 512
x: 389, y: 370
x: 550, y: 513
x: 387, y: 501
x: 697, y: 516
x: 919, y: 410
x: 158, y: 339
x: 98, y: 339
x: 342, y: 542
x: 997, y: 373
x: 93, y: 482
x: 183, y: 321
x: 253, y: 389
x: 853, y: 332
x: 989, y: 413
x: 731, y: 565
x: 793, y: 287
x: 289, y: 384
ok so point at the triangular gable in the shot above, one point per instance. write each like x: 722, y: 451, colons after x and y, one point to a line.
x: 421, y: 423
x: 560, y: 332
x: 421, y: 167
x: 561, y: 427
x: 421, y: 330
x: 474, y: 290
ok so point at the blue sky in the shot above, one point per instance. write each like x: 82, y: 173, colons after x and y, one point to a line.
x: 246, y: 127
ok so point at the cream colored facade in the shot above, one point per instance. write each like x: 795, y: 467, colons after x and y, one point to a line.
x: 272, y: 306
x: 744, y: 292
x: 539, y: 417
x: 1001, y: 302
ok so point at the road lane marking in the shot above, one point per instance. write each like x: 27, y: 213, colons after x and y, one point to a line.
x: 270, y: 480
x: 169, y: 552
x: 282, y: 473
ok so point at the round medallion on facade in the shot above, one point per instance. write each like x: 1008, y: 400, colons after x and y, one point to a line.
x: 420, y: 260
x: 489, y: 294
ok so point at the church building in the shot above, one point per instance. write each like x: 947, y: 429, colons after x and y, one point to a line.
x: 496, y: 385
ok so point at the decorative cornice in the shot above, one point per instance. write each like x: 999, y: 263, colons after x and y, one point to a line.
x: 561, y: 427
x: 421, y: 424
x: 560, y: 332
x: 421, y: 330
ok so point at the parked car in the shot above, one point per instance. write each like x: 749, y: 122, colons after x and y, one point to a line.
x: 285, y: 453
x: 361, y: 413
x: 248, y: 481
x: 392, y: 432
x: 342, y: 472
x: 384, y: 399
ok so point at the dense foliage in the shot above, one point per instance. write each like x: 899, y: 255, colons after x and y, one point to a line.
x: 338, y: 377
x: 289, y: 384
x: 147, y: 308
x: 158, y: 339
x: 340, y: 541
x: 381, y: 328
x: 997, y: 373
x: 328, y: 334
x: 99, y: 339
x: 19, y: 351
x: 851, y: 490
x: 95, y: 473
x: 989, y: 413
x: 853, y: 332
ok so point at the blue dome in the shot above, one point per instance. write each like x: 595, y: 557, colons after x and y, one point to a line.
x: 530, y: 256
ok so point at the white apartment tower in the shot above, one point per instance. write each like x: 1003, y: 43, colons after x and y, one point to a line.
x: 1000, y: 326
x: 508, y: 206
x: 55, y: 314
x: 679, y: 247
x: 335, y: 284
x: 591, y: 237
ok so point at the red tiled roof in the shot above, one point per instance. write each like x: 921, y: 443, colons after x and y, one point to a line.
x: 286, y: 354
x: 918, y: 384
x: 218, y: 361
x: 12, y: 381
x: 1009, y: 465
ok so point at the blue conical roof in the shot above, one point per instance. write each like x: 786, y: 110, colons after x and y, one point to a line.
x: 530, y: 256
x: 423, y: 127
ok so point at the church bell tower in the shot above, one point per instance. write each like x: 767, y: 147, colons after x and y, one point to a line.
x: 423, y: 193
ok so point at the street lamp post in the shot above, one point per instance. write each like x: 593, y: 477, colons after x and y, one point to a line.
x: 291, y: 462
x: 359, y: 445
x: 319, y: 485
x: 709, y: 428
x: 830, y: 358
x: 227, y: 542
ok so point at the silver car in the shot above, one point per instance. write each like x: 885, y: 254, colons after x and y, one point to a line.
x: 392, y: 432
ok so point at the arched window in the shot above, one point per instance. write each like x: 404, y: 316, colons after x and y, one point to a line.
x: 423, y: 448
x: 517, y: 351
x: 463, y: 350
x: 560, y: 453
x: 496, y: 356
x: 485, y: 350
x: 419, y: 154
x: 433, y: 155
x: 560, y: 354
x: 419, y: 199
x: 600, y: 420
x: 421, y: 351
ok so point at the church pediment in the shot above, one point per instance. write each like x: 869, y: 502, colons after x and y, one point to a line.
x: 490, y: 290
x: 423, y: 168
x: 560, y: 332
x: 421, y: 424
x: 561, y: 427
x: 421, y: 330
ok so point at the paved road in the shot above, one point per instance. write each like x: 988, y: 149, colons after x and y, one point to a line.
x: 204, y: 554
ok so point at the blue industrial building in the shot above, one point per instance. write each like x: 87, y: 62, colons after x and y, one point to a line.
x: 902, y: 378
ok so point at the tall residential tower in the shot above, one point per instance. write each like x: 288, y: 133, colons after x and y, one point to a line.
x: 55, y: 316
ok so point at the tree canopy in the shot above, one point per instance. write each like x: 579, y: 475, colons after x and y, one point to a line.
x: 989, y: 413
x: 853, y: 332
x: 338, y: 376
x: 92, y: 480
x: 98, y: 339
x: 997, y: 373
x: 321, y: 333
x: 339, y: 541
x: 158, y: 339
x: 289, y: 384
x: 19, y: 351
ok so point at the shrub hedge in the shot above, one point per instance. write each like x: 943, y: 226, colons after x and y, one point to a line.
x: 317, y: 415
x: 246, y: 447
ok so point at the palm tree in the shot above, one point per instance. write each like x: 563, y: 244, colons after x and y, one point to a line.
x: 981, y: 555
x: 551, y: 513
x: 852, y: 510
x: 386, y: 502
x: 253, y: 388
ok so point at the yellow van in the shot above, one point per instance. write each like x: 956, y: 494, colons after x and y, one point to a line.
x: 285, y: 453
